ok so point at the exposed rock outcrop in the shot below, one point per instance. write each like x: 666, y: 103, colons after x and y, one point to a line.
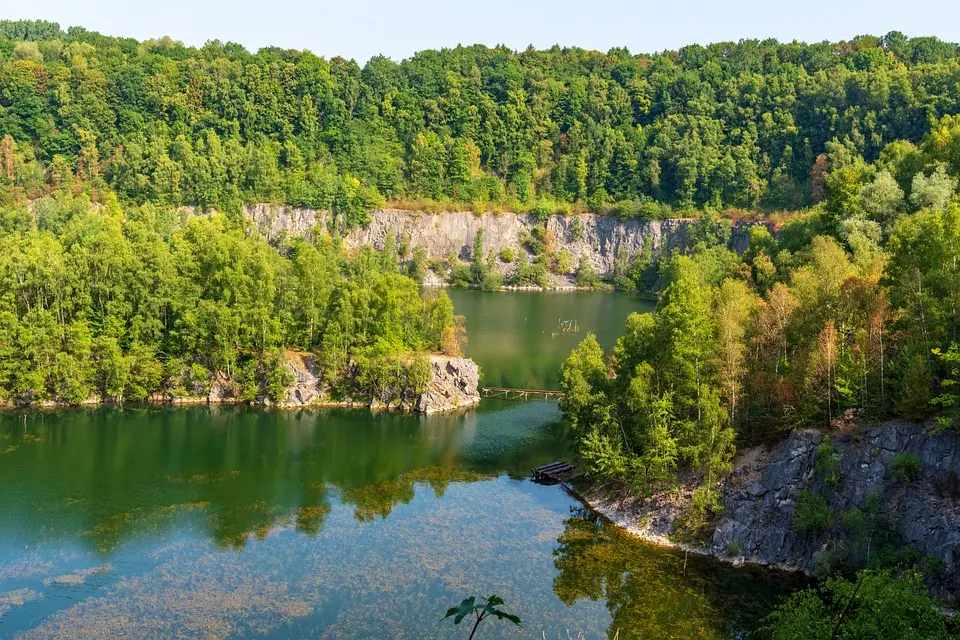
x: 306, y: 388
x: 761, y: 498
x: 453, y: 385
x: 601, y: 239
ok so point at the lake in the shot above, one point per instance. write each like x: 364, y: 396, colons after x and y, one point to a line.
x: 519, y: 338
x: 220, y: 522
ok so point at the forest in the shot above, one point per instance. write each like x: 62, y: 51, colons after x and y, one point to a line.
x: 845, y: 303
x: 126, y: 263
x: 731, y: 125
x: 117, y: 303
x: 834, y: 318
x: 845, y: 312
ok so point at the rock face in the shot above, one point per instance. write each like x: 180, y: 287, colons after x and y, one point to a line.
x: 601, y: 239
x: 306, y: 388
x: 760, y: 501
x: 453, y: 385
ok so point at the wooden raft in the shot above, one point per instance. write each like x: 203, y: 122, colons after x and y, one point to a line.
x: 552, y: 473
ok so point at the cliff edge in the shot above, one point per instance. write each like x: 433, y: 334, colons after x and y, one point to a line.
x: 891, y: 488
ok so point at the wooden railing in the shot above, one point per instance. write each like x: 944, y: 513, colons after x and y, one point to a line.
x: 509, y: 393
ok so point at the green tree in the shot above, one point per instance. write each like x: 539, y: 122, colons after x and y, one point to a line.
x: 878, y: 605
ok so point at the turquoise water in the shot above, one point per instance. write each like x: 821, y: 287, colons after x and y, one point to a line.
x: 239, y: 522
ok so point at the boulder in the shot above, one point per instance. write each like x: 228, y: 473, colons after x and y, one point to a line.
x: 453, y: 385
x: 306, y: 379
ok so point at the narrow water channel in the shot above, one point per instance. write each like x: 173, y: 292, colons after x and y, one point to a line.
x: 236, y: 522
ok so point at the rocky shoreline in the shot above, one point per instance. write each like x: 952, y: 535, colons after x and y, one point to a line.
x: 453, y: 385
x: 920, y: 506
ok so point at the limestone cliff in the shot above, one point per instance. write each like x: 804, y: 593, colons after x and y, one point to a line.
x: 452, y: 385
x: 601, y: 239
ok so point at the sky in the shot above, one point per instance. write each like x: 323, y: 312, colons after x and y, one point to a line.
x: 360, y: 29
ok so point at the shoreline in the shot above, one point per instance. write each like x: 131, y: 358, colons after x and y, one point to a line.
x: 197, y: 401
x: 652, y: 521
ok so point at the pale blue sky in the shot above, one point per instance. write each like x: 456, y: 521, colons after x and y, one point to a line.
x: 362, y: 28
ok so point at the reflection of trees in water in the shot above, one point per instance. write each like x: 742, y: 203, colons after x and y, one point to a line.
x: 379, y: 499
x: 106, y: 475
x: 648, y: 590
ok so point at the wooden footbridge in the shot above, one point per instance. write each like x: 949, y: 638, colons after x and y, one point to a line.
x: 510, y: 393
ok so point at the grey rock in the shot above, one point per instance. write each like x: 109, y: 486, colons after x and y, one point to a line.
x: 603, y: 238
x: 758, y: 517
x: 453, y: 385
x: 306, y: 387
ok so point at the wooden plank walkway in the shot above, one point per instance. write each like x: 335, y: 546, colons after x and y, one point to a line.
x: 553, y: 473
x: 509, y: 393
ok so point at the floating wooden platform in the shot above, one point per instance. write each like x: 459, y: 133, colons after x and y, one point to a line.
x: 553, y: 472
x: 519, y: 394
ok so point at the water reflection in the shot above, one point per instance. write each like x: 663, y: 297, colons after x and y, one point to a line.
x: 649, y: 590
x: 230, y: 522
x: 234, y: 473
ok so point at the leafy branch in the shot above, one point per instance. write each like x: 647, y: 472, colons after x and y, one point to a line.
x: 481, y: 610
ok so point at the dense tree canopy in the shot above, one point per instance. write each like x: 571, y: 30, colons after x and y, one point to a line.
x: 731, y: 124
x: 110, y: 302
x: 847, y: 312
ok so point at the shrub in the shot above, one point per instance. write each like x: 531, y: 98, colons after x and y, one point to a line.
x: 417, y: 267
x: 437, y: 265
x: 906, y: 465
x: 199, y: 380
x: 526, y: 274
x: 461, y: 276
x: 492, y: 281
x: 247, y: 379
x: 705, y: 505
x: 507, y: 255
x: 576, y: 229
x: 827, y: 459
x: 812, y: 516
x: 278, y: 376
x: 832, y: 558
x: 586, y: 275
x: 564, y: 262
x: 543, y: 209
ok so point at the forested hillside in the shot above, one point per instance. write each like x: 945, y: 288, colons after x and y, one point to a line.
x: 754, y: 124
x: 849, y: 315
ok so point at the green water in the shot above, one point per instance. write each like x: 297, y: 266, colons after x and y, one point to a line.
x: 517, y: 337
x: 236, y: 522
